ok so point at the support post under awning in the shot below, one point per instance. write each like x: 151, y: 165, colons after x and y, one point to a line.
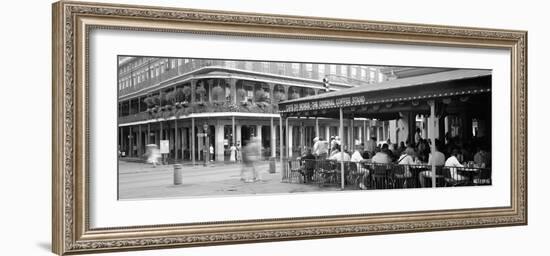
x: 432, y: 138
x: 342, y: 146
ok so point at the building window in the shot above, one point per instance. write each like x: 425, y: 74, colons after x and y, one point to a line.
x: 248, y: 65
x: 321, y: 68
x: 309, y: 70
x: 353, y: 71
x: 265, y: 67
x: 344, y: 70
x: 280, y: 68
x: 333, y: 69
x: 371, y: 76
x: 295, y: 68
x: 363, y: 74
x: 231, y: 64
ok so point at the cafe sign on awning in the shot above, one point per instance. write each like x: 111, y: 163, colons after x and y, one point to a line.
x: 325, y: 103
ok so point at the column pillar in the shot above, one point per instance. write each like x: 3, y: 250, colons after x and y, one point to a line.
x: 176, y: 138
x: 121, y: 139
x: 219, y: 148
x: 131, y: 146
x: 432, y: 137
x: 341, y: 133
x: 327, y: 133
x: 272, y: 139
x: 442, y: 127
x: 259, y: 133
x: 365, y: 133
x: 271, y: 95
x: 238, y: 136
x: 193, y: 91
x: 317, y: 127
x: 139, y: 146
x: 281, y: 146
x: 351, y: 141
x: 193, y: 140
x: 288, y: 134
x: 302, y: 136
x: 233, y: 138
x: 290, y: 139
x: 148, y: 137
x: 233, y: 89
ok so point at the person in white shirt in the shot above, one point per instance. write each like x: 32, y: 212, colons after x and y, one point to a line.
x: 363, y: 172
x: 438, y: 159
x: 407, y: 158
x: 320, y: 148
x: 356, y: 156
x: 339, y: 154
x: 452, y: 161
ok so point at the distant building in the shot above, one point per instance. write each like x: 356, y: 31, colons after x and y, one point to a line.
x: 174, y: 99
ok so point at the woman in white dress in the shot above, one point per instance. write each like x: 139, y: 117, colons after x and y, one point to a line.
x: 233, y: 154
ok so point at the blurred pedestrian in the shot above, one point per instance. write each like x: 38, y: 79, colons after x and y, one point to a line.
x: 251, y: 154
x: 152, y: 154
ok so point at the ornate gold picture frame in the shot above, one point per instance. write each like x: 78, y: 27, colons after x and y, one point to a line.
x: 72, y: 24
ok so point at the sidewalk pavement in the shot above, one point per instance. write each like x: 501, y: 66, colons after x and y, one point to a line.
x: 140, y: 181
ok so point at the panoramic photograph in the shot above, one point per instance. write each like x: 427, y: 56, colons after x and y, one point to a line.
x: 191, y: 127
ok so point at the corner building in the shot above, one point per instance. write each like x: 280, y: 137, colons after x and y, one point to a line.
x: 181, y: 99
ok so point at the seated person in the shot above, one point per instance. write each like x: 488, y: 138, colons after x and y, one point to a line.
x: 407, y: 158
x: 382, y: 156
x: 482, y: 158
x: 337, y: 154
x: 452, y: 161
x: 437, y: 159
x: 309, y: 165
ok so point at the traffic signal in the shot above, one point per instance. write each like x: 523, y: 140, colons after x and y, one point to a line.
x: 326, y: 84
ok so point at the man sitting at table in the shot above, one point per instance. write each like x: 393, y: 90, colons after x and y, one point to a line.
x: 453, y: 162
x: 363, y: 172
x: 382, y: 156
x: 438, y: 159
x: 338, y: 154
x: 309, y: 165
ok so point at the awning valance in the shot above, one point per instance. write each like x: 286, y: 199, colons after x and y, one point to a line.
x: 460, y: 82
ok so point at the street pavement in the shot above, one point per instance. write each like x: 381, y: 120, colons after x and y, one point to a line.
x: 140, y: 181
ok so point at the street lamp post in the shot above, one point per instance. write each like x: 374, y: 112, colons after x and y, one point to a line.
x: 206, y: 144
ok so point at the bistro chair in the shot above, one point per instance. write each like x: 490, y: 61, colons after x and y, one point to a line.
x: 451, y: 178
x: 379, y: 176
x: 308, y: 169
x: 402, y: 177
x: 295, y: 174
x: 439, y: 178
x: 483, y: 177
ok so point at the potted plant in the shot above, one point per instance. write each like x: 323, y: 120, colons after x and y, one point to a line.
x: 186, y: 91
x: 218, y: 93
x: 241, y: 96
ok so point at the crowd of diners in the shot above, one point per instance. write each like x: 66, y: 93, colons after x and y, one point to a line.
x: 451, y: 152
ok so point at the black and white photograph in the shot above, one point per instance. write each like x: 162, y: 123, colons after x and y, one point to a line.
x: 194, y: 127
